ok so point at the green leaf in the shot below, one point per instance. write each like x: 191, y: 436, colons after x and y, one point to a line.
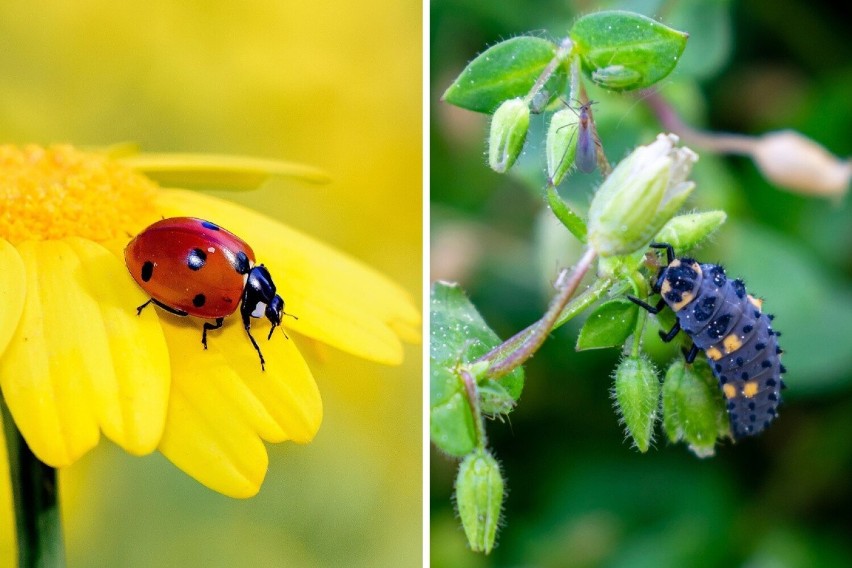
x: 624, y: 51
x: 505, y: 71
x: 609, y: 325
x: 459, y: 336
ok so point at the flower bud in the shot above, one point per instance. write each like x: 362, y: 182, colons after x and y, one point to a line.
x: 685, y: 232
x: 637, y: 396
x: 617, y: 77
x: 643, y: 192
x: 693, y: 409
x: 508, y: 131
x: 799, y: 164
x: 479, y: 498
x: 561, y: 146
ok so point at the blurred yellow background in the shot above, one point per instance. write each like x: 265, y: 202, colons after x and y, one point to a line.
x: 332, y: 84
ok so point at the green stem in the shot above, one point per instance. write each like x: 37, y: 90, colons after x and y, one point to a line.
x: 35, y: 496
x: 566, y: 216
x: 472, y: 393
x: 503, y: 359
x: 562, y: 52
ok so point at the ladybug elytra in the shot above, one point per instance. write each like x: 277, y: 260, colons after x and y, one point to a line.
x: 727, y: 323
x: 192, y: 267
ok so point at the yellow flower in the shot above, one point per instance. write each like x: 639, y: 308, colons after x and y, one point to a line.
x: 76, y: 360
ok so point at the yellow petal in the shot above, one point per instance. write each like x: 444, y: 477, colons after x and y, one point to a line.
x: 222, y: 405
x: 216, y: 170
x: 13, y: 287
x: 338, y: 300
x: 80, y: 359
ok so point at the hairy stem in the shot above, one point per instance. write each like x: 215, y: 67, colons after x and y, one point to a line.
x: 503, y: 363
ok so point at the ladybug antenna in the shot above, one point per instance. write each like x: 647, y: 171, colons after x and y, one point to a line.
x: 272, y: 330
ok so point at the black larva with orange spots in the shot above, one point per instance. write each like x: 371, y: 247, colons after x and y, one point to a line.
x: 725, y: 322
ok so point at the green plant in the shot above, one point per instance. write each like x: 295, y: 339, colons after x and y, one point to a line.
x: 473, y: 374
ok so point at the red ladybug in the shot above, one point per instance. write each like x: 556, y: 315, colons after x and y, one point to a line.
x: 192, y: 267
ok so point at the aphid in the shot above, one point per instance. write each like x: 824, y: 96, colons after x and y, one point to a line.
x: 586, y: 158
x: 192, y: 267
x: 725, y: 322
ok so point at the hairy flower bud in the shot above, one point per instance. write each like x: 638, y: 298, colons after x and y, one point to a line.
x: 637, y: 395
x: 693, y: 410
x: 561, y: 146
x: 508, y: 132
x: 479, y: 498
x: 643, y: 192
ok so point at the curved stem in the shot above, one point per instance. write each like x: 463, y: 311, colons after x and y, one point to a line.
x: 35, y: 496
x: 561, y: 53
x: 718, y: 142
x: 530, y: 339
x: 472, y: 393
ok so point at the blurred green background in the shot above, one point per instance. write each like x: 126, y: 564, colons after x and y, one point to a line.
x: 578, y: 495
x: 335, y: 85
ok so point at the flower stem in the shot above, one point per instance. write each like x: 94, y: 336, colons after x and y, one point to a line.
x: 35, y: 496
x: 527, y: 342
x: 473, y: 400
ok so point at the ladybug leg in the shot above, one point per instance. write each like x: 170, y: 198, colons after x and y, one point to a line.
x: 670, y: 255
x: 691, y: 354
x: 671, y: 333
x: 646, y: 306
x: 247, y: 324
x: 143, y: 306
x: 208, y: 326
x: 161, y: 305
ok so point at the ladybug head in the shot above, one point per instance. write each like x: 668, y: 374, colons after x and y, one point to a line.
x: 260, y: 299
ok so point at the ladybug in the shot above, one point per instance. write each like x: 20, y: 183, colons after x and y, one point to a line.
x: 192, y: 267
x: 727, y: 323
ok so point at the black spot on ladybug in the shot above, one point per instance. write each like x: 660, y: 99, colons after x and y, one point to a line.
x: 717, y: 328
x: 241, y: 263
x: 705, y: 308
x: 718, y: 276
x: 209, y: 225
x: 147, y: 271
x: 770, y: 316
x: 739, y: 288
x: 673, y: 297
x: 724, y: 321
x: 196, y: 259
x: 783, y: 369
x: 199, y: 300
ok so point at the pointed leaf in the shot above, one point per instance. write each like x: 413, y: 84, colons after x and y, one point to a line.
x: 505, y: 71
x: 609, y: 325
x: 623, y: 51
x: 459, y: 336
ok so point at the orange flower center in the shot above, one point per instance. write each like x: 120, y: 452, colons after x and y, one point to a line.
x: 56, y: 192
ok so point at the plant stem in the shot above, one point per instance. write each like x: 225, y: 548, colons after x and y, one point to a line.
x: 718, y: 142
x: 532, y: 338
x: 35, y: 496
x: 561, y: 53
x: 472, y: 394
